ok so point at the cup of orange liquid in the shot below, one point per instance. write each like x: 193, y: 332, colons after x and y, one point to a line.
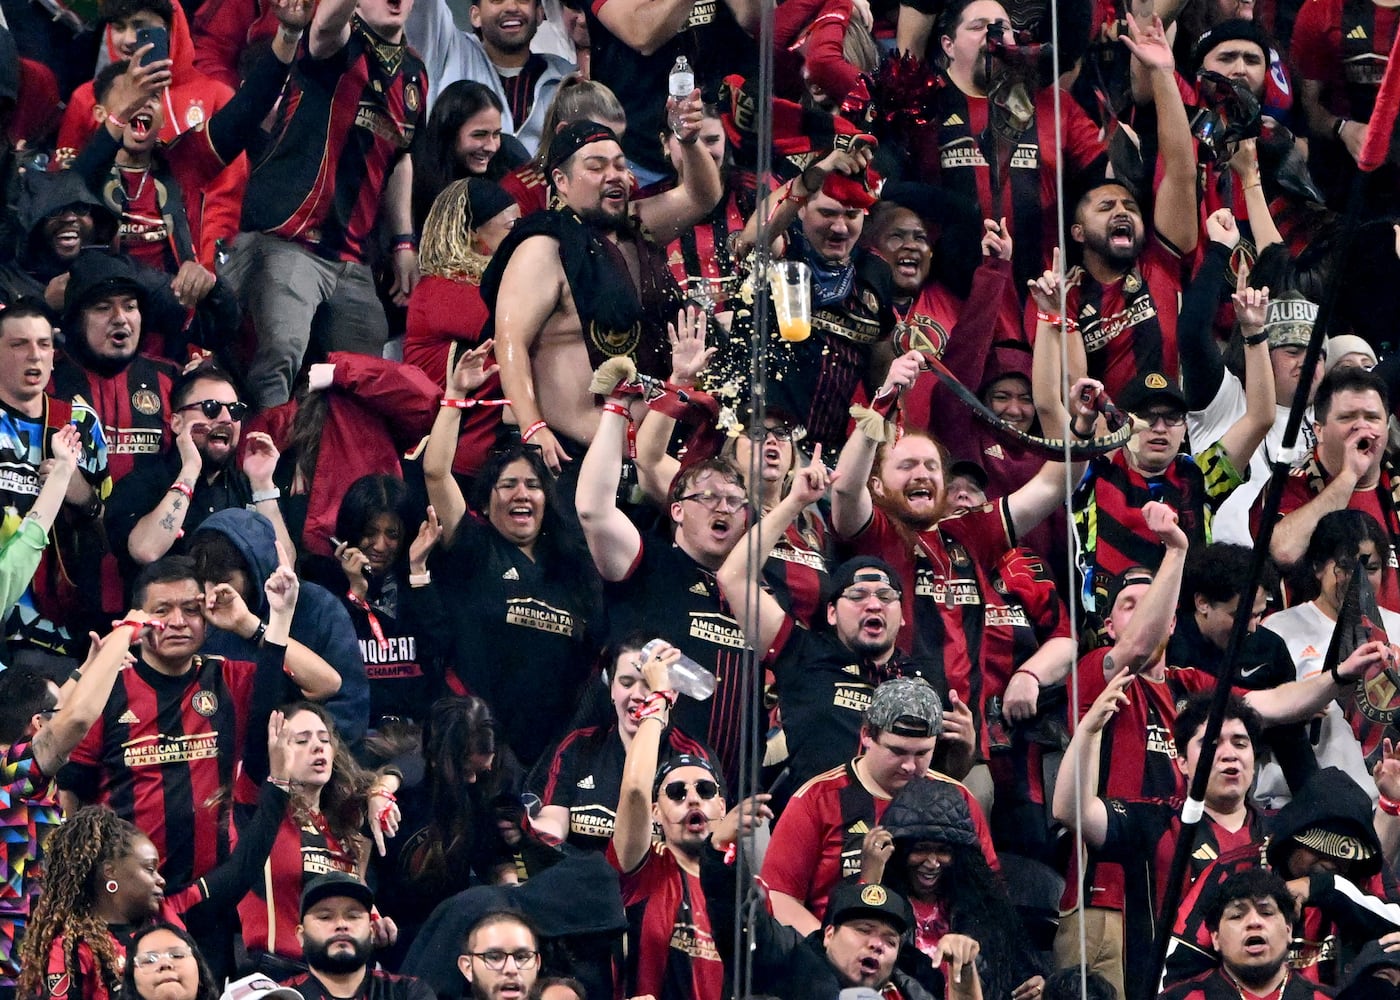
x: 790, y: 283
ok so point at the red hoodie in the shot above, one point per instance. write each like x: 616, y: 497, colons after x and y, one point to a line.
x: 213, y: 209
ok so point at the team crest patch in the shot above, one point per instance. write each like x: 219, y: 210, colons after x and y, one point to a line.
x: 410, y: 96
x: 194, y: 114
x: 874, y: 895
x: 206, y: 703
x: 1155, y: 381
x: 1132, y: 283
x: 58, y: 984
x: 145, y: 401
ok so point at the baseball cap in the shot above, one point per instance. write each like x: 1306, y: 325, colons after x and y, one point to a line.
x: 335, y: 884
x: 1343, y: 344
x: 1289, y: 320
x: 906, y: 706
x: 862, y: 569
x: 1150, y: 387
x: 848, y: 901
x: 258, y: 987
x: 972, y: 470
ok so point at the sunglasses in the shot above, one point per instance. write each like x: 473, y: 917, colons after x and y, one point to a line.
x: 705, y: 788
x: 211, y: 408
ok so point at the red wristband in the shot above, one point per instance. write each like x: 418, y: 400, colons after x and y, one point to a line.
x: 532, y: 430
x: 185, y: 488
x: 157, y: 625
x: 457, y: 404
x: 1388, y: 806
x: 1054, y: 319
x: 612, y: 406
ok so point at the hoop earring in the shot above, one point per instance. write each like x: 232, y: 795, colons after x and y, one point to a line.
x: 111, y: 885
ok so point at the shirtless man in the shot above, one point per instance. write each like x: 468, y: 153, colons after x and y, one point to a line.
x: 573, y: 287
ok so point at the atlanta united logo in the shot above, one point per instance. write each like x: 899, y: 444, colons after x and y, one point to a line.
x: 145, y: 401
x: 206, y: 703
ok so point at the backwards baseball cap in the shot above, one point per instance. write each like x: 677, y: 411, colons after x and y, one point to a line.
x: 96, y: 274
x: 1236, y: 29
x: 970, y: 469
x: 334, y: 884
x: 258, y: 987
x: 906, y: 706
x: 862, y: 569
x: 1149, y: 388
x: 573, y: 137
x: 1109, y: 586
x: 1289, y: 320
x: 849, y: 901
x: 676, y: 761
x: 1343, y: 344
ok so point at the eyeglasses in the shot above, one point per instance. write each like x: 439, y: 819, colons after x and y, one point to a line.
x: 1171, y: 418
x: 211, y: 408
x: 149, y: 958
x: 710, y: 500
x: 705, y: 788
x: 495, y: 959
x: 859, y: 595
x: 780, y: 433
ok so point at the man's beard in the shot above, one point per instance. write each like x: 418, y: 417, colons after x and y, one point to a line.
x: 897, y: 507
x: 1120, y: 259
x: 1256, y: 975
x: 319, y: 957
x: 600, y: 219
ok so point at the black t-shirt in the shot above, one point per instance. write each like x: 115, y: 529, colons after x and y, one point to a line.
x: 523, y: 635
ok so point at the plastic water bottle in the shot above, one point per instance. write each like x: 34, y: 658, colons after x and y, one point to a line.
x: 679, y: 86
x: 687, y: 676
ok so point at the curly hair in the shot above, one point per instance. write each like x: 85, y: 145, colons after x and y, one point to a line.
x: 977, y: 905
x: 344, y: 799
x: 73, y: 858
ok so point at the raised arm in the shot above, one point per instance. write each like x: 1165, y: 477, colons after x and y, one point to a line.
x: 631, y: 837
x: 644, y: 25
x: 1174, y: 206
x: 153, y: 535
x: 532, y: 286
x: 1047, y: 361
x: 260, y: 459
x: 1245, y: 435
x: 1245, y: 163
x: 330, y: 28
x: 470, y: 372
x: 1082, y: 757
x: 84, y: 699
x: 1151, y: 624
x: 785, y: 202
x: 738, y: 578
x: 689, y: 356
x: 1046, y: 490
x: 673, y: 212
x: 851, y: 505
x: 612, y: 538
x: 22, y: 551
x: 1299, y: 700
x: 1202, y: 368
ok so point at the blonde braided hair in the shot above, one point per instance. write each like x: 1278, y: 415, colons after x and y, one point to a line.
x: 446, y: 249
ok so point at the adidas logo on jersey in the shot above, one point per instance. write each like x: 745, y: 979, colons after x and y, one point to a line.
x: 859, y: 827
x: 1357, y: 32
x: 511, y: 574
x: 700, y: 588
x: 586, y: 783
x: 953, y: 119
x: 128, y: 718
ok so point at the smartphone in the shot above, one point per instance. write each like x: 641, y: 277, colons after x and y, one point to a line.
x: 159, y: 41
x: 337, y: 543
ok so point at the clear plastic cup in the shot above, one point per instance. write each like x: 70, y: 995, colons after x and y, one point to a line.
x: 790, y: 283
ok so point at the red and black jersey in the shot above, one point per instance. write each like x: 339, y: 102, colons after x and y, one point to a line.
x: 1345, y: 45
x: 953, y: 153
x: 1141, y: 836
x: 1217, y: 985
x: 161, y: 750
x: 1129, y: 324
x: 377, y: 985
x: 359, y: 107
x: 703, y: 250
x: 671, y: 953
x: 943, y: 579
x: 302, y: 851
x: 796, y: 570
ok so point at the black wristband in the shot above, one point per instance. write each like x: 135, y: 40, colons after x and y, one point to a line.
x: 259, y: 634
x: 1083, y: 437
x: 1255, y: 340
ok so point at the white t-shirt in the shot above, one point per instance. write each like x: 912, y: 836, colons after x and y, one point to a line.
x: 1307, y: 633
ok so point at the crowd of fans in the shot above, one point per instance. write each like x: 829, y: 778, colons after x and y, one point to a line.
x: 406, y: 572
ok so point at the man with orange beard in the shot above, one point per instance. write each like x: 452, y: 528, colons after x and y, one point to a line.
x: 889, y: 500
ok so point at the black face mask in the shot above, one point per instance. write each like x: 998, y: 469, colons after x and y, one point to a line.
x: 1227, y: 114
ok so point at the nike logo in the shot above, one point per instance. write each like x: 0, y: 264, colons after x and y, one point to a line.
x: 1251, y: 671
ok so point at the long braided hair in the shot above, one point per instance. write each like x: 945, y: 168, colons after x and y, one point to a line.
x: 73, y: 858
